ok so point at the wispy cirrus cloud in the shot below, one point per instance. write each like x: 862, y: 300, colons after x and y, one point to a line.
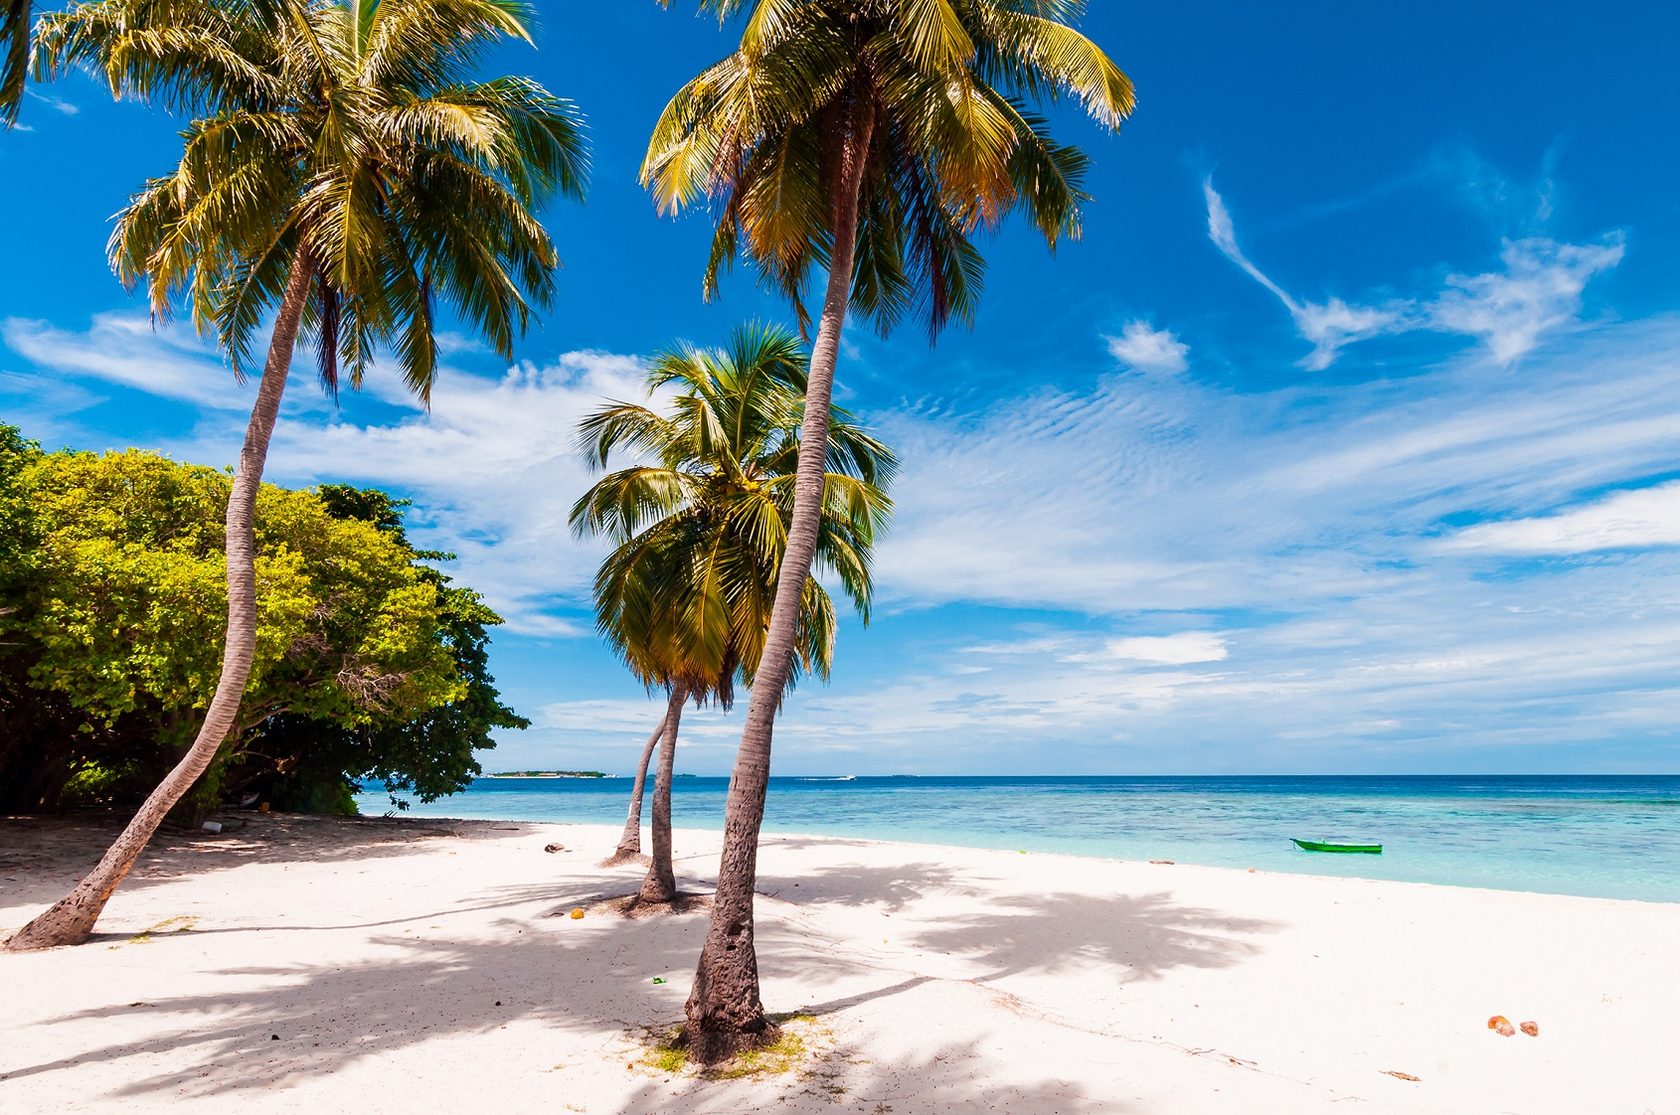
x: 57, y: 104
x: 126, y: 350
x: 1539, y: 291
x: 1357, y: 565
x: 1330, y: 325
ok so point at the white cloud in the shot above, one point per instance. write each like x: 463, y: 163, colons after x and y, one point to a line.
x: 1638, y: 519
x: 1182, y: 649
x: 57, y: 104
x: 1330, y: 326
x: 1168, y: 494
x: 126, y: 350
x: 1147, y: 349
x: 1538, y: 292
x: 492, y: 470
x: 1307, y: 527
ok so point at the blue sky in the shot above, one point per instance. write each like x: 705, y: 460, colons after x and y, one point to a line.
x: 1347, y: 439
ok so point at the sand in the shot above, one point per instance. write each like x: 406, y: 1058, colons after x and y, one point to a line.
x: 310, y: 965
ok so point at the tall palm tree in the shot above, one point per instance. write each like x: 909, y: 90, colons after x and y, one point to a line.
x: 868, y: 139
x: 345, y: 171
x: 14, y: 57
x: 701, y: 525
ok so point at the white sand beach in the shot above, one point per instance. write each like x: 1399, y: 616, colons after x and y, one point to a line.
x: 316, y: 965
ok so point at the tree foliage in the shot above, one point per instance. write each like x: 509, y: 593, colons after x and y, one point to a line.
x: 353, y: 138
x: 699, y: 525
x: 951, y: 91
x: 367, y: 662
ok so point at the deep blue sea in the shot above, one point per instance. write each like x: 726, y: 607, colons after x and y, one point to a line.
x: 1610, y: 837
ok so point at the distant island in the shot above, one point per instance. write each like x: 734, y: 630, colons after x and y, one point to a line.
x: 548, y: 774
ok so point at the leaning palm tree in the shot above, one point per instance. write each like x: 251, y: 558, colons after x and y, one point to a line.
x: 701, y: 525
x: 869, y: 140
x: 630, y: 840
x: 345, y: 171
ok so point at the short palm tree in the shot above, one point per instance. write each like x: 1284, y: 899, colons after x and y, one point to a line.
x: 701, y: 525
x: 630, y: 840
x: 345, y: 172
x: 868, y: 139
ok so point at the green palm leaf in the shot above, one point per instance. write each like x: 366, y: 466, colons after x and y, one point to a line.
x: 347, y: 133
x: 698, y: 532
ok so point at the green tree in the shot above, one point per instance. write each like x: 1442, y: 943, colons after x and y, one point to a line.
x: 27, y: 723
x: 699, y: 531
x: 427, y: 753
x: 344, y: 170
x: 868, y: 139
x: 367, y: 661
x: 375, y: 664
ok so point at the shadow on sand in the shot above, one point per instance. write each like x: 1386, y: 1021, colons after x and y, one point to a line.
x: 290, y: 1020
x: 42, y: 857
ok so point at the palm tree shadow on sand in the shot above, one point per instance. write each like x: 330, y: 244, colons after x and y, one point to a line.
x: 310, y: 1020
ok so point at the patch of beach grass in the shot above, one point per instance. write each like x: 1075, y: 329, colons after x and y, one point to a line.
x: 798, y: 1043
x: 168, y: 925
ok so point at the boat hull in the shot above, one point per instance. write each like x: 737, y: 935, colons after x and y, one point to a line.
x: 1346, y: 849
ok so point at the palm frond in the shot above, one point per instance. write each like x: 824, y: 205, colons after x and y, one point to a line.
x: 686, y: 592
x: 956, y: 146
x: 354, y: 137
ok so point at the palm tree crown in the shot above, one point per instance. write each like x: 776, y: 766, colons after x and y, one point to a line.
x: 942, y: 89
x: 700, y: 528
x: 345, y: 136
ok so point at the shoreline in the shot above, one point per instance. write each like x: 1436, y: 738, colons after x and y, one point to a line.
x: 280, y: 964
x: 704, y: 835
x: 955, y: 840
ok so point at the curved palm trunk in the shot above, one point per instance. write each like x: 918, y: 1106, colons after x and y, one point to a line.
x: 71, y: 920
x: 724, y: 1012
x: 630, y: 842
x: 660, y: 884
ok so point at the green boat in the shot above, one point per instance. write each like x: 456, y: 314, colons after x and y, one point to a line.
x: 1321, y: 846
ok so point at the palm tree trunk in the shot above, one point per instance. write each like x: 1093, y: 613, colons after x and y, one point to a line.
x: 630, y: 843
x: 724, y: 1012
x: 71, y: 920
x: 660, y: 885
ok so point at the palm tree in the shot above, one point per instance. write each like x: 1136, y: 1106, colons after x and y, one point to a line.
x: 14, y: 57
x: 700, y: 528
x: 630, y: 840
x: 870, y: 139
x: 345, y: 171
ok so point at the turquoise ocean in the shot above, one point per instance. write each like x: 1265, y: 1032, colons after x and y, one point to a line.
x: 1606, y: 837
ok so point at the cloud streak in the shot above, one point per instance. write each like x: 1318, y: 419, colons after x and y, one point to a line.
x: 1538, y: 292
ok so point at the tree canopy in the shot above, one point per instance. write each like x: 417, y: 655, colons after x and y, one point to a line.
x: 700, y: 524
x: 945, y: 97
x: 368, y: 661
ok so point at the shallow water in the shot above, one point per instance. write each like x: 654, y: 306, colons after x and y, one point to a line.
x: 1608, y: 837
